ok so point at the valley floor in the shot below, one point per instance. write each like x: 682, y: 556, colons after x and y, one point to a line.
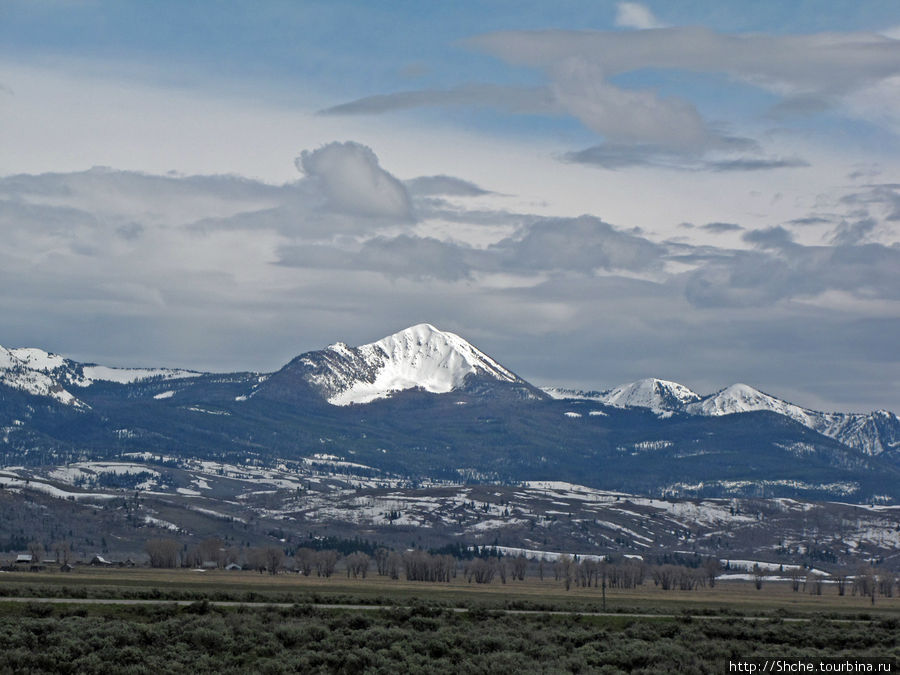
x: 412, y: 626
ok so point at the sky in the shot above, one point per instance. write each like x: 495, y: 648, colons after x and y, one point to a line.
x: 590, y: 191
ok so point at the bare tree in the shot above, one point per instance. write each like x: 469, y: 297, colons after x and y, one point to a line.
x: 886, y: 581
x: 381, y: 559
x: 711, y: 568
x: 565, y: 568
x: 256, y: 559
x: 274, y: 558
x: 841, y: 580
x: 519, y: 567
x: 759, y: 574
x: 305, y: 559
x: 63, y: 552
x: 36, y: 549
x: 212, y: 550
x: 357, y: 564
x: 481, y: 571
x: 325, y: 562
x: 814, y: 583
x: 162, y: 552
x: 393, y: 564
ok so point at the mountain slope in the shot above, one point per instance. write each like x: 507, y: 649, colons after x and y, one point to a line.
x: 660, y: 396
x: 419, y: 357
x: 873, y: 433
x: 42, y: 373
x: 438, y: 408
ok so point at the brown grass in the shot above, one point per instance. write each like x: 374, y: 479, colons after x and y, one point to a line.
x: 731, y: 596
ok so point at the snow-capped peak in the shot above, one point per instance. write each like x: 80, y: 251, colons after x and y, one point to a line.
x: 43, y: 373
x: 658, y: 395
x: 419, y: 357
x: 740, y: 398
x: 22, y: 369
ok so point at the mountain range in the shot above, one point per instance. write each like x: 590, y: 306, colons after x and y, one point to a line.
x: 873, y: 433
x: 424, y: 403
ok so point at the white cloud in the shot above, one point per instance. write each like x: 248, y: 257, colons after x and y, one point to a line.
x: 354, y: 183
x: 636, y: 15
x: 621, y: 115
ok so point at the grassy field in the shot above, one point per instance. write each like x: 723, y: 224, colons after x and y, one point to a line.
x: 736, y: 597
x: 415, y: 630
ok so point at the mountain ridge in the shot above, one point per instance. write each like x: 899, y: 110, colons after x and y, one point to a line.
x: 874, y: 433
x: 427, y: 359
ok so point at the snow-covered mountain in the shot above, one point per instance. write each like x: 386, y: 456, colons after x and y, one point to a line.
x: 16, y: 373
x: 425, y: 358
x: 660, y: 396
x: 419, y: 357
x: 740, y: 398
x: 42, y: 373
x: 873, y: 433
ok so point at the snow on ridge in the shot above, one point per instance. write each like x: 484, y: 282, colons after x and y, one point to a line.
x: 744, y: 398
x: 872, y: 433
x: 16, y: 372
x: 658, y: 395
x: 420, y: 356
x: 95, y: 373
x: 38, y: 359
x: 43, y: 373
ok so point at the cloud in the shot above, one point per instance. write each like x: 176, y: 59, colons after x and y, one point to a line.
x: 622, y: 155
x: 884, y: 199
x: 756, y: 164
x: 773, y: 238
x: 809, y: 220
x: 853, y: 233
x: 353, y: 182
x: 581, y: 244
x: 640, y: 127
x: 521, y: 100
x: 783, y: 270
x: 719, y: 228
x: 624, y: 115
x: 636, y: 15
x: 427, y: 186
x: 403, y: 256
x: 788, y: 64
x: 252, y: 288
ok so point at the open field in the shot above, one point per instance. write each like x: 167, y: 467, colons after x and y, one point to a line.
x: 732, y: 597
x: 401, y: 626
x: 421, y: 638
